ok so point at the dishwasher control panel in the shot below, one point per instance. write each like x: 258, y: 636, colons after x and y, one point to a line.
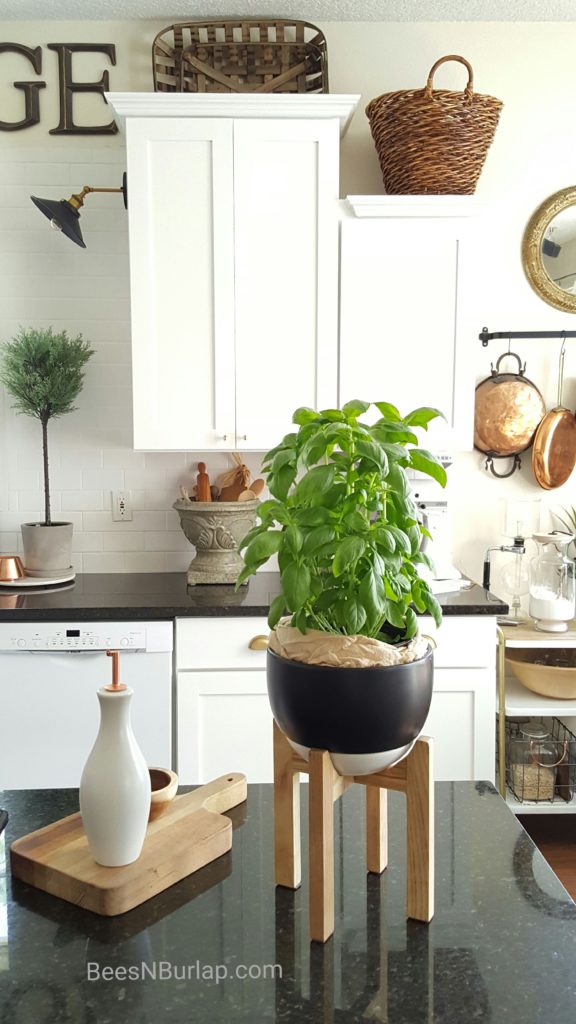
x: 34, y: 636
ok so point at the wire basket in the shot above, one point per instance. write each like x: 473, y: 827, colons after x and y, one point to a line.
x: 541, y: 770
x: 249, y: 55
x: 433, y: 141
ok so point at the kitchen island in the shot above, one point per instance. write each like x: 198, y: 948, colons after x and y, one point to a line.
x: 501, y: 947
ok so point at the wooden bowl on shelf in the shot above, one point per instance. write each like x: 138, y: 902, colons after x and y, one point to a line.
x: 164, y: 784
x: 548, y: 671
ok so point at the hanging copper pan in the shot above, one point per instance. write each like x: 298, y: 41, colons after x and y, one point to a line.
x: 554, y: 451
x: 508, y: 408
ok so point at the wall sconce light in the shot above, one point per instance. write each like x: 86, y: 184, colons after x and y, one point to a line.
x: 63, y: 214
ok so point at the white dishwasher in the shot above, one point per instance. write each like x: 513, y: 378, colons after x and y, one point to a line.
x: 49, y: 711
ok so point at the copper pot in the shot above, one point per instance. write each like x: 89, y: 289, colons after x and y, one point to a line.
x: 508, y: 409
x: 554, y: 452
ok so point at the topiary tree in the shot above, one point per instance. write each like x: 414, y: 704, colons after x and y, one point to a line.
x: 43, y: 371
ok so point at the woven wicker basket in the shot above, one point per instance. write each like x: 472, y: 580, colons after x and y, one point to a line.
x: 248, y: 55
x: 433, y: 141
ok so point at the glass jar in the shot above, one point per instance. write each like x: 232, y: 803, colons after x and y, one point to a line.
x: 551, y: 588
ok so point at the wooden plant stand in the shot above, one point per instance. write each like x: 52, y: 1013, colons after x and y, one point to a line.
x: 412, y: 776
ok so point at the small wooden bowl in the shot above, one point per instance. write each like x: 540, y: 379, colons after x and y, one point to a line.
x: 164, y: 784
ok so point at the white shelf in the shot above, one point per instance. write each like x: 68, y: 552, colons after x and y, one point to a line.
x: 520, y: 701
x: 558, y: 806
x: 525, y: 635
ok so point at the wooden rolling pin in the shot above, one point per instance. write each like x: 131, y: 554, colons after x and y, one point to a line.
x: 203, y: 484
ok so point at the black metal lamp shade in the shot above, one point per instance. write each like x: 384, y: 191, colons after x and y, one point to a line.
x: 62, y: 216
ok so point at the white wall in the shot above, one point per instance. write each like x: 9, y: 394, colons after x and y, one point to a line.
x: 46, y: 280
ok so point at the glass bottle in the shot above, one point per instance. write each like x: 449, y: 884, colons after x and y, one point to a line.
x: 551, y: 589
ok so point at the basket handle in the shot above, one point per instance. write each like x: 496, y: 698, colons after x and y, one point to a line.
x: 468, y: 91
x: 556, y: 763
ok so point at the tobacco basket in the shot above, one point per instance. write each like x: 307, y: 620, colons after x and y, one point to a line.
x: 250, y: 55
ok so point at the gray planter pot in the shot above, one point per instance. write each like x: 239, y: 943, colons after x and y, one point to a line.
x: 47, y: 549
x: 215, y: 528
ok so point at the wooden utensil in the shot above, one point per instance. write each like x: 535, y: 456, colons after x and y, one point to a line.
x: 554, y: 451
x: 203, y: 484
x: 189, y: 834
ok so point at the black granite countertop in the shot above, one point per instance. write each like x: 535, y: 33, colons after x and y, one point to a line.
x: 501, y: 947
x: 129, y: 596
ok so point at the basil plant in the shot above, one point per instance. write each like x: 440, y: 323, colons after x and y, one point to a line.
x: 343, y: 523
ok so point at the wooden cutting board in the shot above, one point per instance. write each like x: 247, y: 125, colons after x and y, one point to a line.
x: 190, y: 833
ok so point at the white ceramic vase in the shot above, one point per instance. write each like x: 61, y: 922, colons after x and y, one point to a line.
x: 115, y: 786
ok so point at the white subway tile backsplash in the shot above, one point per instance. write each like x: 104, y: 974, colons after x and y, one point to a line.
x: 103, y: 561
x: 167, y: 541
x: 86, y: 541
x: 8, y: 542
x: 178, y: 561
x: 144, y: 561
x: 82, y: 499
x: 123, y: 541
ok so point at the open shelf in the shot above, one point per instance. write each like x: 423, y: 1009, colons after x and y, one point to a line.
x: 521, y: 701
x: 525, y: 635
x: 557, y: 806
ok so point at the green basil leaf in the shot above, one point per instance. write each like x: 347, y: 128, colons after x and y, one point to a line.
x: 371, y: 593
x: 317, y: 537
x: 293, y: 538
x: 355, y: 408
x: 385, y: 539
x: 432, y: 605
x: 389, y: 412
x: 347, y: 553
x: 300, y: 620
x: 277, y: 606
x: 402, y: 540
x: 372, y: 451
x: 326, y: 599
x: 398, y: 480
x: 317, y: 516
x: 421, y: 417
x: 262, y: 547
x: 315, y: 484
x: 280, y: 483
x: 284, y: 456
x: 304, y: 415
x: 395, y: 614
x: 254, y: 532
x: 295, y: 585
x: 411, y: 624
x: 427, y: 463
x: 354, y: 614
x: 357, y: 522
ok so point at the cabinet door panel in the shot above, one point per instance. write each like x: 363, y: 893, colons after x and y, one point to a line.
x: 461, y: 721
x: 398, y: 326
x: 286, y: 273
x: 181, y: 256
x: 224, y: 725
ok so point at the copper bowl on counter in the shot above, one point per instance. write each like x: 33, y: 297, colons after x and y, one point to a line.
x: 11, y: 568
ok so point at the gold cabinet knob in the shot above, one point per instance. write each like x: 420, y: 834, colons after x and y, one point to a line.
x: 258, y: 643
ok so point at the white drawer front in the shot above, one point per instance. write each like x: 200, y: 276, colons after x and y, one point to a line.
x: 464, y: 641
x: 219, y: 643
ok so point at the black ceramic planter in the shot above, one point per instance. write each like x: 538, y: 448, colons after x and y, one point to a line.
x: 347, y: 710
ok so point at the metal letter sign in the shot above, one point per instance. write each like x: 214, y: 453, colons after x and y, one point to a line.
x: 67, y: 87
x: 30, y: 89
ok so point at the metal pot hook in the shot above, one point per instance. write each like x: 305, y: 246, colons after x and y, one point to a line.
x: 489, y: 465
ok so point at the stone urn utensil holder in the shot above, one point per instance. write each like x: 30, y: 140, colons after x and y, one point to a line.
x: 215, y: 528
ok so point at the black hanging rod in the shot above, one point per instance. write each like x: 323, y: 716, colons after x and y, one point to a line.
x: 486, y: 336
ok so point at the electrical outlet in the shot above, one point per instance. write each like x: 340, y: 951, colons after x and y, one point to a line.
x: 121, y: 506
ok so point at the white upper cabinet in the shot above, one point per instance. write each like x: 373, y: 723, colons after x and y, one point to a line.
x: 233, y: 218
x: 407, y: 308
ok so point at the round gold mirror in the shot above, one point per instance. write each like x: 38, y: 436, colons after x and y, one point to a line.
x: 549, y: 250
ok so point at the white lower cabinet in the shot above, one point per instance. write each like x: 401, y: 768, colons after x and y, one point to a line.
x: 225, y: 723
